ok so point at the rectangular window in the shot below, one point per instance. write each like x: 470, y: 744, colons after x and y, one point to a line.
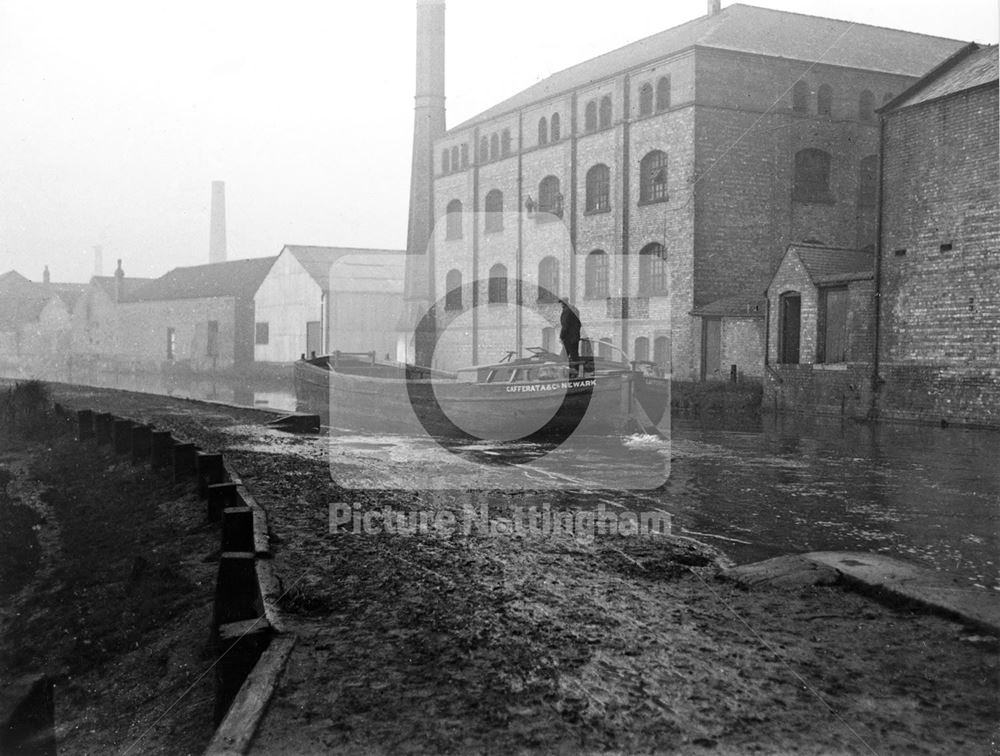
x: 789, y: 323
x: 261, y: 333
x: 171, y: 343
x: 212, y: 339
x: 832, y: 325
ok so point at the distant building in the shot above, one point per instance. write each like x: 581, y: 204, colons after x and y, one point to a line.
x: 653, y: 181
x: 95, y: 318
x: 35, y: 322
x: 939, y: 314
x: 319, y: 299
x: 200, y: 318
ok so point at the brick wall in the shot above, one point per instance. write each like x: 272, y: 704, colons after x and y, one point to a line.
x: 940, y: 313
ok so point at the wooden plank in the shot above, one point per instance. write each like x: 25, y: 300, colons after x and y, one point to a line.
x: 240, y: 725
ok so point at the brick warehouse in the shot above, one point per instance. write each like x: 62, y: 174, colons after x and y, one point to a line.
x: 651, y: 182
x: 939, y: 311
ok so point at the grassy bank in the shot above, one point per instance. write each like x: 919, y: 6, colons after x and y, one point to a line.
x: 716, y: 397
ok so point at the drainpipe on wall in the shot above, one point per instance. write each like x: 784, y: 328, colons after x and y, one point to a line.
x: 879, y: 209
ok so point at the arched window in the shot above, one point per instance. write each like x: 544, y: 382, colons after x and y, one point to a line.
x: 555, y: 127
x: 663, y: 93
x: 653, y: 177
x: 868, y: 181
x: 646, y: 100
x: 605, y: 120
x: 800, y: 97
x: 590, y: 117
x: 445, y: 163
x: 493, y: 205
x: 640, y: 353
x: 661, y: 351
x: 548, y: 280
x: 453, y: 220
x: 596, y: 283
x: 465, y: 155
x: 604, y: 349
x: 494, y: 147
x: 484, y: 150
x: 866, y: 106
x: 454, y: 158
x: 598, y: 189
x: 789, y: 325
x: 453, y: 287
x: 812, y: 176
x: 543, y: 130
x: 497, y: 293
x: 549, y: 198
x: 824, y: 100
x: 505, y: 142
x: 653, y: 269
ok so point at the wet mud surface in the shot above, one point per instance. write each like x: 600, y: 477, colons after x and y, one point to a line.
x: 444, y: 642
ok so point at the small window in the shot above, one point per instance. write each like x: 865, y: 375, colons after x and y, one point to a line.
x: 824, y: 100
x: 605, y: 119
x: 543, y: 130
x: 554, y: 127
x: 212, y: 339
x: 868, y: 181
x: 789, y: 325
x: 646, y: 100
x: 453, y: 288
x: 494, y: 147
x: 832, y: 325
x: 598, y: 189
x: 653, y: 177
x: 261, y: 333
x: 497, y: 293
x: 484, y: 150
x: 812, y: 176
x: 653, y: 269
x: 171, y: 343
x: 663, y: 94
x: 590, y: 117
x: 800, y: 97
x: 549, y: 197
x: 454, y: 158
x: 445, y: 161
x: 453, y: 220
x: 548, y: 280
x: 465, y: 155
x: 640, y: 353
x: 596, y: 283
x: 866, y: 106
x: 493, y: 205
x: 505, y: 142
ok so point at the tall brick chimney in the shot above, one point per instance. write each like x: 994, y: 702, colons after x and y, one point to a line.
x: 46, y: 278
x: 428, y: 125
x: 119, y: 281
x: 217, y: 234
x: 714, y: 6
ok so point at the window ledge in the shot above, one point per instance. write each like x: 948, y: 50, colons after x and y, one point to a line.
x: 492, y: 230
x: 643, y: 293
x: 601, y: 211
x: 453, y: 238
x: 657, y: 201
x: 814, y: 200
x: 544, y: 216
x: 832, y: 366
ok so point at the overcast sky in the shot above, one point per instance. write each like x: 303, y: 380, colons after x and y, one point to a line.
x: 115, y: 117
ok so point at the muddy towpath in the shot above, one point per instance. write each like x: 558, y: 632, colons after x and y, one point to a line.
x: 515, y: 642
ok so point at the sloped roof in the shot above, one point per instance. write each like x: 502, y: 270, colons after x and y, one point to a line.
x: 12, y: 279
x: 129, y: 286
x: 234, y: 278
x: 67, y: 292
x: 25, y: 304
x: 831, y: 264
x: 740, y: 306
x: 760, y: 31
x: 318, y: 260
x: 382, y: 275
x: 971, y: 67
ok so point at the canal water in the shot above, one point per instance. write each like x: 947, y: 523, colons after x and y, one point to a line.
x: 762, y: 487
